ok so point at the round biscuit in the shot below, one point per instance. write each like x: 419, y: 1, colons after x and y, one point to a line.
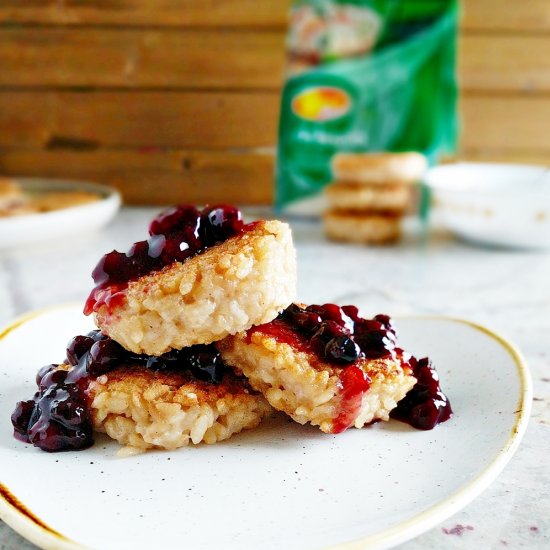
x: 361, y: 227
x: 394, y: 198
x: 377, y: 168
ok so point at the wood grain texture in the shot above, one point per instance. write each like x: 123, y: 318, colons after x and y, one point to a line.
x: 88, y: 120
x: 217, y: 13
x: 509, y: 15
x: 505, y: 62
x: 513, y: 15
x: 191, y: 59
x: 229, y: 59
x: 505, y: 123
x: 169, y: 100
x: 156, y: 177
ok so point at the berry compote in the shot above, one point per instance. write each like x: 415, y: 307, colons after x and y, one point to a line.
x: 337, y: 335
x: 340, y: 337
x: 175, y: 235
x: 58, y: 417
x: 425, y: 405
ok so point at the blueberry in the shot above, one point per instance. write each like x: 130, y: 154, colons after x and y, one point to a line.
x: 103, y: 356
x: 96, y: 335
x: 342, y: 349
x: 43, y: 371
x: 20, y: 418
x: 206, y: 364
x: 52, y: 378
x: 77, y: 347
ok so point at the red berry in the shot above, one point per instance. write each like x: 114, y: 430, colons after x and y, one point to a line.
x: 175, y: 219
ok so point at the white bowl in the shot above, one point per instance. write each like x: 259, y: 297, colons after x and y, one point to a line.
x: 497, y: 204
x: 32, y: 228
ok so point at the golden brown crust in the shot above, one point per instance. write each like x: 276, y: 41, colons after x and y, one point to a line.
x: 144, y: 409
x: 135, y: 379
x: 241, y: 282
x: 379, y: 168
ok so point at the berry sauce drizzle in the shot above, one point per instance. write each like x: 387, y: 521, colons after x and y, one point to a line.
x: 335, y: 334
x: 340, y: 337
x: 425, y: 405
x: 58, y: 417
x: 175, y: 235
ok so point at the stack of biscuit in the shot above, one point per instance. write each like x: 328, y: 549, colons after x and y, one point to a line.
x: 370, y: 195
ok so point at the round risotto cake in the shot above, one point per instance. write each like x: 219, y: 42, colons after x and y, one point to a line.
x: 143, y: 409
x: 144, y: 402
x: 357, y: 197
x: 199, y: 277
x: 324, y: 365
x: 379, y: 168
x: 362, y: 227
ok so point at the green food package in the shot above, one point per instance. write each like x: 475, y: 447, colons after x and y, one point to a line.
x: 365, y: 75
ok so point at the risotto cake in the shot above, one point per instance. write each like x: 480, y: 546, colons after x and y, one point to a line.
x: 143, y: 402
x: 324, y: 365
x: 201, y: 275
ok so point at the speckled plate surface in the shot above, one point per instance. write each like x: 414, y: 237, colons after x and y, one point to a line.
x: 280, y: 486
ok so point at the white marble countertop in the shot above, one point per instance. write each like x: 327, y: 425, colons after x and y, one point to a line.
x: 509, y: 291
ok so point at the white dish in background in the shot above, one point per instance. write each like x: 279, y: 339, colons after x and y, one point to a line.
x: 279, y: 486
x: 497, y: 204
x: 32, y: 228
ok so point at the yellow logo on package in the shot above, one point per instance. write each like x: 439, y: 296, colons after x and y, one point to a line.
x: 321, y: 104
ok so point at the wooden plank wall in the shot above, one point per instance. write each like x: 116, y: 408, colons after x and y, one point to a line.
x: 173, y: 100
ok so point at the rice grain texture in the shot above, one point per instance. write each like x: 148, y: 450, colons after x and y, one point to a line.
x: 244, y: 281
x: 308, y: 389
x: 143, y: 409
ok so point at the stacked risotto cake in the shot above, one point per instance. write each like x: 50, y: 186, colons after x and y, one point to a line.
x: 370, y: 195
x: 198, y: 339
x: 150, y: 377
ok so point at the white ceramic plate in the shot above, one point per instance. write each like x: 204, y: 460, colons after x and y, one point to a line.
x: 281, y: 486
x: 497, y: 204
x: 32, y: 228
